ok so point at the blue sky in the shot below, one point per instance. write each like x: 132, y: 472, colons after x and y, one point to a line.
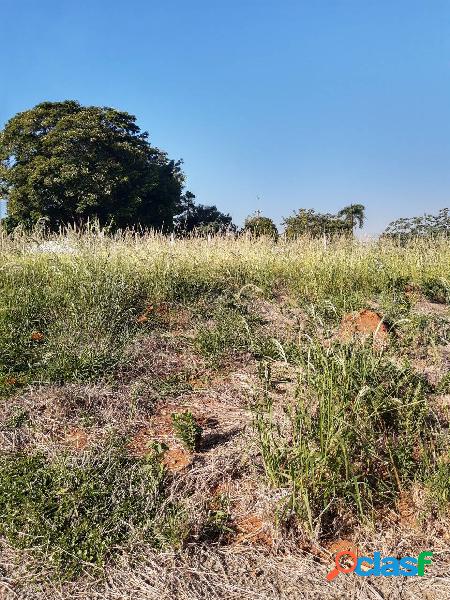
x: 273, y: 105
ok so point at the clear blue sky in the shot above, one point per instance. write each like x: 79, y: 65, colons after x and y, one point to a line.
x: 316, y: 103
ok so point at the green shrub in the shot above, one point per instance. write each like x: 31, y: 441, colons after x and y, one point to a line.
x: 187, y: 429
x: 218, y: 521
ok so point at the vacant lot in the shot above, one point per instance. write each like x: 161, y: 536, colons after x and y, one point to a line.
x: 205, y: 419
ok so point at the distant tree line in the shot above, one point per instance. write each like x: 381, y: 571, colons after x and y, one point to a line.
x: 308, y: 221
x: 200, y: 219
x: 63, y: 163
x: 426, y: 226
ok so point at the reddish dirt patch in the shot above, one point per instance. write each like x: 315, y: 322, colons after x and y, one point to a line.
x: 177, y: 459
x: 343, y: 546
x: 340, y: 545
x: 198, y: 384
x: 37, y: 336
x: 160, y: 430
x: 76, y: 439
x: 142, y: 319
x: 220, y: 489
x: 363, y: 324
x: 161, y: 426
x: 253, y: 529
x: 169, y: 314
x: 336, y: 547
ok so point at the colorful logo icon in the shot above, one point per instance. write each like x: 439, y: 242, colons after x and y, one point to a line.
x: 346, y: 561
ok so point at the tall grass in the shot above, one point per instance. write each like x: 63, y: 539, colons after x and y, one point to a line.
x: 74, y: 513
x: 359, y: 433
x: 84, y: 290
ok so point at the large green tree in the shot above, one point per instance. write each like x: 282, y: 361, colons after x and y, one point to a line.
x: 64, y: 163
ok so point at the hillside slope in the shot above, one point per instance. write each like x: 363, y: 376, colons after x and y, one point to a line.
x: 208, y: 419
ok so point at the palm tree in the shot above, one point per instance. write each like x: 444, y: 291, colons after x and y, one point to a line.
x: 352, y: 215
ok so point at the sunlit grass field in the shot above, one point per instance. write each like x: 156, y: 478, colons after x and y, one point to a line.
x: 358, y: 428
x: 84, y: 293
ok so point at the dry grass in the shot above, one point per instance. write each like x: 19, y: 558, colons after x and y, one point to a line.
x: 256, y: 304
x: 237, y: 573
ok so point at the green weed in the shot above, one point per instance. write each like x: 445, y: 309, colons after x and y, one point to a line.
x: 76, y: 512
x: 436, y: 289
x: 218, y: 522
x: 187, y: 429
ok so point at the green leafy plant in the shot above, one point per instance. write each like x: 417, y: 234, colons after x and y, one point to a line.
x: 218, y: 521
x: 187, y: 429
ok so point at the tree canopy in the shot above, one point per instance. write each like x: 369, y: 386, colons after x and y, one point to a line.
x: 353, y: 215
x: 258, y: 225
x: 424, y: 226
x: 63, y: 162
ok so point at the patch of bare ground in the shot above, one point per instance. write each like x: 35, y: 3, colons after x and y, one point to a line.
x: 281, y: 319
x: 284, y: 380
x: 364, y: 324
x: 434, y: 364
x: 76, y: 439
x: 158, y: 355
x: 428, y: 350
x: 410, y: 507
x: 440, y: 404
x: 425, y: 307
